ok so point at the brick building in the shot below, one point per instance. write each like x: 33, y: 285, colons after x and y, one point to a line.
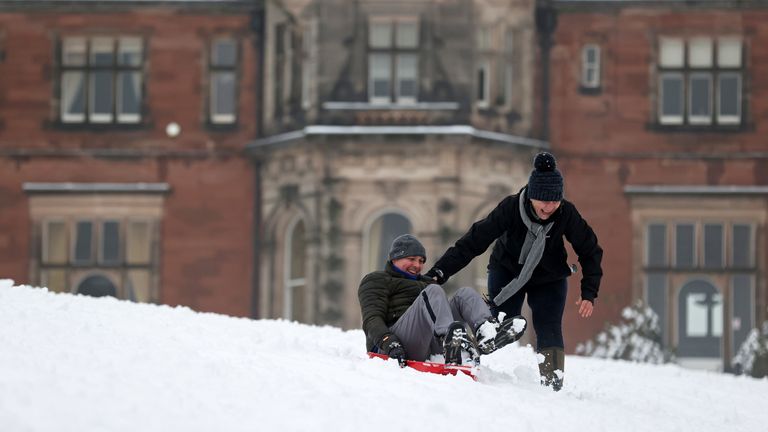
x: 256, y: 158
x: 657, y: 113
x: 382, y: 118
x: 122, y: 129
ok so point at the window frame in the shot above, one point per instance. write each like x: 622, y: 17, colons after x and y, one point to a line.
x: 678, y: 61
x: 215, y: 70
x: 291, y: 284
x: 45, y: 258
x: 595, y: 66
x: 395, y: 50
x: 73, y: 258
x: 101, y: 238
x: 484, y: 67
x: 87, y: 70
x: 723, y: 245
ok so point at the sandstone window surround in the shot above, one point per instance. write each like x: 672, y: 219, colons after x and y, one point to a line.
x: 101, y: 80
x: 698, y: 267
x: 97, y: 237
x: 223, y: 76
x: 700, y: 81
x: 702, y: 260
x: 393, y: 60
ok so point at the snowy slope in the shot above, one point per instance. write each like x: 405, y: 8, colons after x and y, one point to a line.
x: 72, y: 363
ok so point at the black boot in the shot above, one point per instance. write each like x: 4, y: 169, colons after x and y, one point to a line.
x: 492, y: 335
x: 552, y: 368
x: 460, y: 337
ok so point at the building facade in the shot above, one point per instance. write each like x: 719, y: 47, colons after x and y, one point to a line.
x: 382, y: 118
x: 657, y: 114
x: 122, y: 130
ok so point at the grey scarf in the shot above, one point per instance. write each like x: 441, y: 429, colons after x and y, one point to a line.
x: 530, y: 254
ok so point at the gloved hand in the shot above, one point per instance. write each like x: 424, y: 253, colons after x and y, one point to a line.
x: 436, y: 275
x: 391, y: 346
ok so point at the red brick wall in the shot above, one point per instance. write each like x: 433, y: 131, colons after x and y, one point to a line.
x: 206, y: 233
x: 606, y: 141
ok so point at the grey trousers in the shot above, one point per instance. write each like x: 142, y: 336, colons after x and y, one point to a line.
x: 430, y: 316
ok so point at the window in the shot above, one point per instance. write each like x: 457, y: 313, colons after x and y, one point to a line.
x: 712, y: 270
x: 700, y: 81
x: 590, y: 66
x: 704, y: 315
x: 713, y: 246
x: 83, y: 253
x: 742, y: 249
x: 506, y: 69
x: 685, y: 245
x: 700, y: 320
x: 109, y: 250
x: 657, y: 245
x: 382, y: 232
x: 296, y: 302
x: 101, y: 80
x: 484, y: 39
x: 118, y: 246
x: 309, y: 62
x: 482, y: 81
x: 393, y: 60
x: 223, y: 81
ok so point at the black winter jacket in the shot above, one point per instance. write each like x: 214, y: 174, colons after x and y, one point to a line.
x: 505, y: 224
x: 384, y: 297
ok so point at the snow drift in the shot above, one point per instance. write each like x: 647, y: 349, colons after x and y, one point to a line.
x: 74, y: 363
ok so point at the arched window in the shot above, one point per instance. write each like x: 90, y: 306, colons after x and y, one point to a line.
x: 295, y: 306
x: 97, y: 286
x: 700, y: 320
x: 381, y: 234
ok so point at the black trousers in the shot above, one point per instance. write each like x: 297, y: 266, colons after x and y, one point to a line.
x: 547, y: 303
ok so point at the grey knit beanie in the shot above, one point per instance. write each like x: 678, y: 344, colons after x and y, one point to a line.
x: 545, y: 182
x: 406, y: 245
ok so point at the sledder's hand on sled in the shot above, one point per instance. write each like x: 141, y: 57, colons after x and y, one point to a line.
x: 585, y: 307
x: 392, y: 347
x: 436, y: 275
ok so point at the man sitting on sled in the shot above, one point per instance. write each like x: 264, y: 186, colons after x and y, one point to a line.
x: 407, y: 316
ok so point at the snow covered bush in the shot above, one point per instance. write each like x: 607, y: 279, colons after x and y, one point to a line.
x: 636, y: 338
x: 752, y: 357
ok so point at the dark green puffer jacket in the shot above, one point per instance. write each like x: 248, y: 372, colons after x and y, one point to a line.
x: 384, y: 297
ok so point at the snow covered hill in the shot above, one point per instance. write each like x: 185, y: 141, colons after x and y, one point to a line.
x: 73, y: 363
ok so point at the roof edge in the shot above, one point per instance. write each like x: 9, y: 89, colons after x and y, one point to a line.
x: 695, y: 190
x: 331, y: 130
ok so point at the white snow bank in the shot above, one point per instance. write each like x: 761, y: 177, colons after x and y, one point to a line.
x: 73, y: 363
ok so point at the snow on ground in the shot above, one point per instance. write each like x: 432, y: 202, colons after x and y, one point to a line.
x: 73, y: 363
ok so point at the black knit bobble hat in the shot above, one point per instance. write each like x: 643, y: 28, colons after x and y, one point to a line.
x: 545, y: 182
x: 406, y: 245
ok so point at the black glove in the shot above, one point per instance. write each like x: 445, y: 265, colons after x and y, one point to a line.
x: 436, y: 275
x: 392, y: 347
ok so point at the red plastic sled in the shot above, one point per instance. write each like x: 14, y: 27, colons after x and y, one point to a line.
x: 432, y: 367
